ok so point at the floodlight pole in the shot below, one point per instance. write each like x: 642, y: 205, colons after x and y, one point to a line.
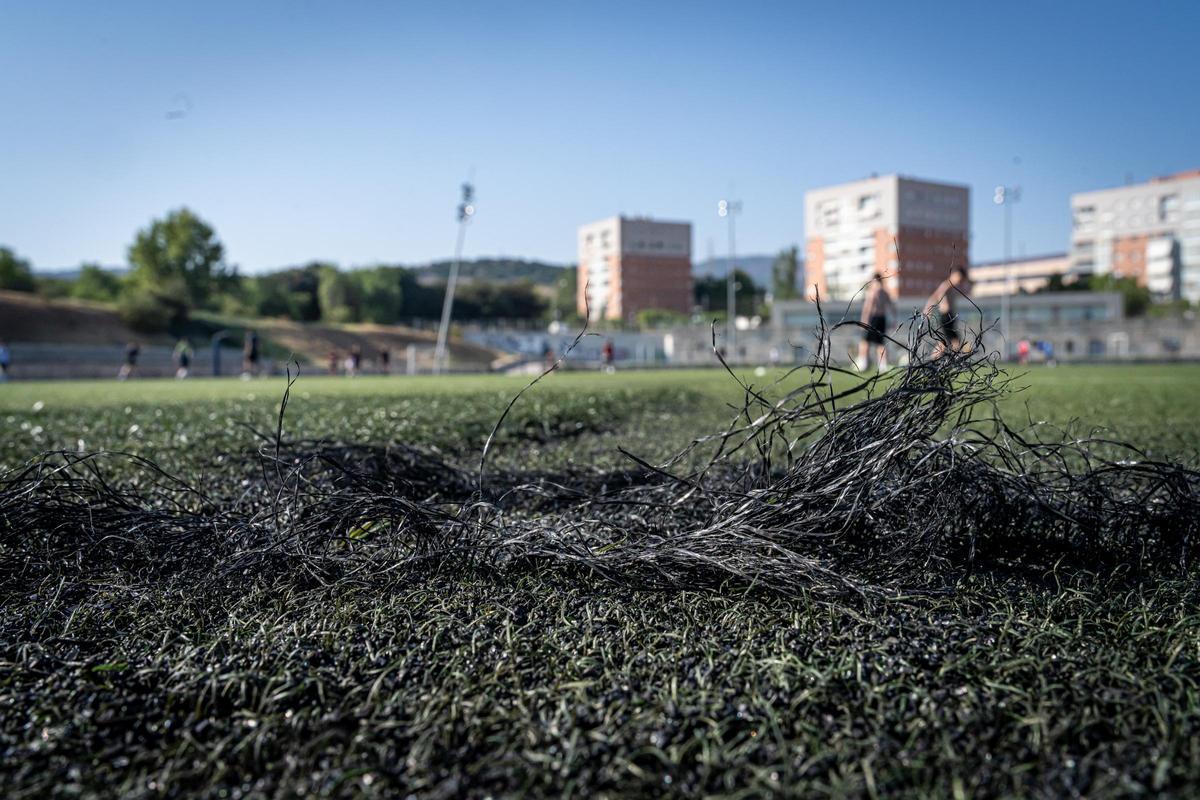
x: 1005, y: 196
x: 466, y: 210
x: 729, y: 209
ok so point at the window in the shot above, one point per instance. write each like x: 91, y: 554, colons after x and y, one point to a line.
x: 1168, y: 207
x: 1084, y: 216
x: 868, y: 206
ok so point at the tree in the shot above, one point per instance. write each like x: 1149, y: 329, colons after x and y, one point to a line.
x: 476, y: 300
x: 185, y: 248
x: 338, y: 295
x: 382, y: 294
x: 291, y: 293
x: 565, y: 289
x: 711, y: 293
x: 15, y: 273
x: 96, y: 283
x: 147, y: 312
x: 1136, y: 298
x: 785, y: 275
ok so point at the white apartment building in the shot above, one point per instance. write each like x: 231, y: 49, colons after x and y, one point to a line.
x: 913, y: 231
x: 1148, y: 231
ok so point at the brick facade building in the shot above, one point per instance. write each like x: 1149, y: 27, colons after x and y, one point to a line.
x: 630, y: 264
x: 912, y: 231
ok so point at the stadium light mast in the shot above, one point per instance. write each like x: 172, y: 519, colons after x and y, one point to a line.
x: 1005, y: 196
x: 730, y: 209
x: 466, y: 210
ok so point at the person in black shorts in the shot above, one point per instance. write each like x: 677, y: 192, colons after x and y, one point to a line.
x: 877, y: 308
x: 944, y: 300
x: 250, y: 355
x: 131, y: 356
x: 183, y: 358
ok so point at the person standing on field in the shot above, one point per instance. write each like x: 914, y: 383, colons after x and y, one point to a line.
x: 250, y: 354
x: 5, y: 360
x: 945, y: 299
x: 877, y: 309
x: 183, y: 358
x: 609, y: 355
x: 130, y: 366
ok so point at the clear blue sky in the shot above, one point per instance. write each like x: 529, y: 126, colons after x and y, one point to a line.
x: 341, y: 131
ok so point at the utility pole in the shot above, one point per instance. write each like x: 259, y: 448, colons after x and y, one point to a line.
x: 466, y: 210
x: 730, y: 209
x: 1005, y: 196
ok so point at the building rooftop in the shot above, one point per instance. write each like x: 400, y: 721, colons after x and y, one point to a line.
x: 890, y: 176
x: 1178, y: 176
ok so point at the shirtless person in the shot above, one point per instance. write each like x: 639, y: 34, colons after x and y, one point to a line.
x: 877, y: 309
x: 945, y: 299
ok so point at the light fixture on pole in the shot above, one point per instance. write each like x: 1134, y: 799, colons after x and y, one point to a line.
x: 466, y: 210
x: 729, y: 209
x: 1005, y: 196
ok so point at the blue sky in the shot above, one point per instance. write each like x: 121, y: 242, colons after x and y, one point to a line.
x: 341, y: 131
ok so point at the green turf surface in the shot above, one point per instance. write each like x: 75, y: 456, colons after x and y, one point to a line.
x: 1157, y: 406
x: 553, y: 684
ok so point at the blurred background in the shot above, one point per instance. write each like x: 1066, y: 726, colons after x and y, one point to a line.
x: 215, y: 188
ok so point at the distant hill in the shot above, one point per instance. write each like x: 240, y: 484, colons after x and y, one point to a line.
x: 497, y: 270
x: 72, y: 273
x: 757, y: 267
x: 542, y: 273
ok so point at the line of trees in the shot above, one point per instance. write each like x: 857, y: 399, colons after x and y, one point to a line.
x: 177, y: 266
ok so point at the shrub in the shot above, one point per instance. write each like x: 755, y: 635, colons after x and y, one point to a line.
x: 96, y: 283
x: 660, y: 318
x: 147, y: 312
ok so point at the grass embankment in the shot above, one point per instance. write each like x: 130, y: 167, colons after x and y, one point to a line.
x: 29, y: 318
x: 548, y: 683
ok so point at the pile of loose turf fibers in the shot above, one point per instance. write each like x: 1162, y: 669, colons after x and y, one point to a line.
x: 857, y: 586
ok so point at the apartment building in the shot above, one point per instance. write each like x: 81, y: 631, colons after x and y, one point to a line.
x: 1026, y: 274
x: 913, y: 231
x: 629, y: 264
x: 1148, y: 231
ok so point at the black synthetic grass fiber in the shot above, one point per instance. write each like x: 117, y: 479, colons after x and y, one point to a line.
x: 257, y: 629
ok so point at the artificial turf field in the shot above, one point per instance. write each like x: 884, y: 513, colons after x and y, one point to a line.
x: 549, y: 683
